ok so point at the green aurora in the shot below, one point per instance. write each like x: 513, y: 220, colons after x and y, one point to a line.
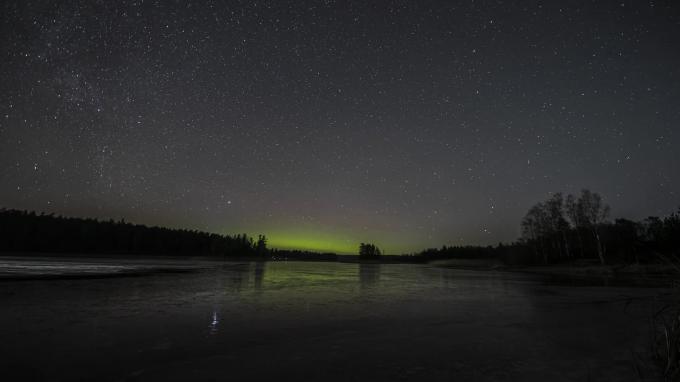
x: 336, y: 241
x: 312, y: 241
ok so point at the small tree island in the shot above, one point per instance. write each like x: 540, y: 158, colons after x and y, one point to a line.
x: 369, y: 251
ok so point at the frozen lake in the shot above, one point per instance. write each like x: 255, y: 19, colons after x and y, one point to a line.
x: 202, y: 320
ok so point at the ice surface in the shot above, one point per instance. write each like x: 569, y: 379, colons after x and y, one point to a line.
x: 313, y: 321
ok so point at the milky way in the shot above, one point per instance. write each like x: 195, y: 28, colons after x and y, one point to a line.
x: 324, y: 124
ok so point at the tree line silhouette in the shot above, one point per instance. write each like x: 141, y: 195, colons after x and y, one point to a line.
x: 563, y: 229
x: 22, y: 231
x: 559, y: 229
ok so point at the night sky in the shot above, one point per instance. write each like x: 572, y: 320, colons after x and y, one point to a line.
x: 324, y: 124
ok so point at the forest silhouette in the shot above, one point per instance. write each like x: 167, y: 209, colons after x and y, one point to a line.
x: 24, y: 231
x: 559, y: 229
x: 577, y: 227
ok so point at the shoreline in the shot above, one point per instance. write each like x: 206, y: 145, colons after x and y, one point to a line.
x: 137, y: 265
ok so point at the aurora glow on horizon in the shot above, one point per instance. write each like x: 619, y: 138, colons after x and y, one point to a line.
x: 326, y: 124
x: 331, y: 242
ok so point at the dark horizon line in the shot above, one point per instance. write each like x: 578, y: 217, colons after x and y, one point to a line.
x: 123, y: 220
x: 246, y: 237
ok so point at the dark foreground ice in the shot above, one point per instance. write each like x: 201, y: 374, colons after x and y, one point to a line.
x: 314, y: 322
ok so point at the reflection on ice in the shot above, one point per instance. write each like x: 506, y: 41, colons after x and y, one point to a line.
x: 369, y: 274
x: 214, y: 323
x: 259, y: 274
